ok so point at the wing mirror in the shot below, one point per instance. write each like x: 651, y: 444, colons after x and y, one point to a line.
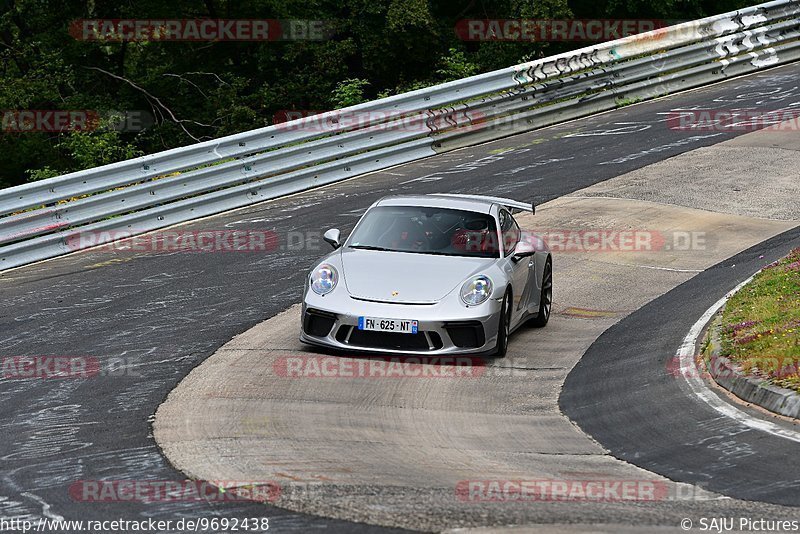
x: 525, y: 249
x: 528, y: 245
x: 332, y: 236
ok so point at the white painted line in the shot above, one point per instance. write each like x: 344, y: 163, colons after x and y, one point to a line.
x: 671, y: 269
x: 45, y: 507
x: 690, y: 373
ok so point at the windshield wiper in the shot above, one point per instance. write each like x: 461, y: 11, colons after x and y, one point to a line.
x: 371, y: 247
x: 458, y: 254
x: 429, y: 252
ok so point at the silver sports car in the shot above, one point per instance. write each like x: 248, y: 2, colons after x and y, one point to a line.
x: 429, y: 274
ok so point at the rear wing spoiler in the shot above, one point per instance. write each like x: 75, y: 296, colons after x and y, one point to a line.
x: 507, y: 202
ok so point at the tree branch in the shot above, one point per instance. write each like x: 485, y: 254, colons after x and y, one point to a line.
x: 176, y: 120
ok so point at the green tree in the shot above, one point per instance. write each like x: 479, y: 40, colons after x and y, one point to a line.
x: 349, y: 93
x: 197, y: 90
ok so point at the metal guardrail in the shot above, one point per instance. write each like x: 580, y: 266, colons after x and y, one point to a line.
x: 39, y: 220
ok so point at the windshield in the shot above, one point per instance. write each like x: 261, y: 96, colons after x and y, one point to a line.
x: 426, y: 230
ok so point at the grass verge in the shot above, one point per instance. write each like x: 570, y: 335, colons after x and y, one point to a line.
x: 761, y: 324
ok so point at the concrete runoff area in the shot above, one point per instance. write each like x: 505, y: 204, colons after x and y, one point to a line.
x: 393, y: 450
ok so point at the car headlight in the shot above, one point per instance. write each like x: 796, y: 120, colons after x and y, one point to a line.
x: 323, y: 279
x: 476, y: 291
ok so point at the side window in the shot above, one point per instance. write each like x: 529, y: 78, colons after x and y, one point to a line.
x: 509, y: 230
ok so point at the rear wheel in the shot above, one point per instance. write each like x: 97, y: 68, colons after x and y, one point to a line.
x: 504, y: 328
x: 546, y: 299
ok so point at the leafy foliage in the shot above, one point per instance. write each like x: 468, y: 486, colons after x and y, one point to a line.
x: 761, y: 324
x: 349, y: 92
x: 203, y: 90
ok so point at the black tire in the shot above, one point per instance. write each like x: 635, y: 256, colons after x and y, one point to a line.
x: 504, y: 328
x: 546, y: 298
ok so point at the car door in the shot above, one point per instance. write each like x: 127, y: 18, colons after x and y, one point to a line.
x: 519, y: 271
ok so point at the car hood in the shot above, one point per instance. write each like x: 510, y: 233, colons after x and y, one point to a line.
x: 406, y: 277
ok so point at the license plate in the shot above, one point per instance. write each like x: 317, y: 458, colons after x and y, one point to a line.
x: 401, y: 326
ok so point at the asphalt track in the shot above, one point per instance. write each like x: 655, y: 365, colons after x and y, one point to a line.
x: 391, y: 450
x: 164, y: 313
x: 622, y: 382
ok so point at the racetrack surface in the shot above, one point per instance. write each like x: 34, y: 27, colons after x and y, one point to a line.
x: 393, y: 449
x: 164, y: 313
x: 623, y: 380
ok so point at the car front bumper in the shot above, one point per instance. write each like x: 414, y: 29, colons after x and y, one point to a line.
x: 444, y: 328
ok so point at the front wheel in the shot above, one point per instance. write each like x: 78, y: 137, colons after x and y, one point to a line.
x: 546, y: 298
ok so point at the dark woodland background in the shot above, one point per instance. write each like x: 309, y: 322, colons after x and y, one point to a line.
x: 203, y: 90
